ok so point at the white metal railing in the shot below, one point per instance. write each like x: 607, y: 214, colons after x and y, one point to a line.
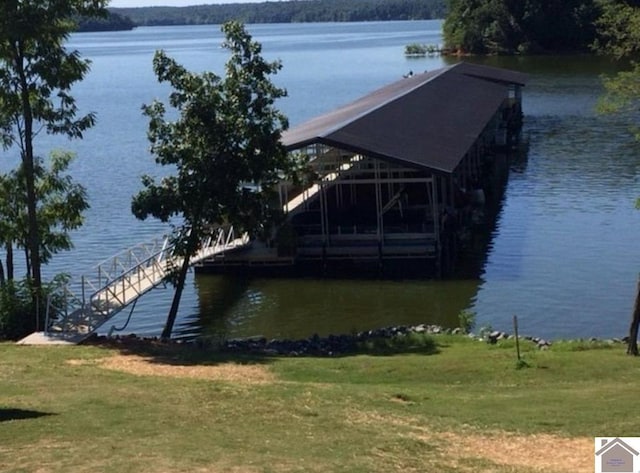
x: 118, y: 281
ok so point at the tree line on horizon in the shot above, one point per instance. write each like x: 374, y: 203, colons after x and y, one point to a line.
x: 110, y: 22
x: 292, y: 11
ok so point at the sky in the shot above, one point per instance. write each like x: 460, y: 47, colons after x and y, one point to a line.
x: 171, y: 3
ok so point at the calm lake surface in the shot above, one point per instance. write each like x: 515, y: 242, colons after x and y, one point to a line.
x: 563, y: 256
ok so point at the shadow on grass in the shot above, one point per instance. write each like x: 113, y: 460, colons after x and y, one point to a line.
x: 262, y: 351
x: 7, y: 414
x: 176, y: 353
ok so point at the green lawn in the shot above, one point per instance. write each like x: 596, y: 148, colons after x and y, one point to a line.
x: 463, y: 408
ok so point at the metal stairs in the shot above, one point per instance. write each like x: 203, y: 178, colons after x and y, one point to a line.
x: 78, y: 308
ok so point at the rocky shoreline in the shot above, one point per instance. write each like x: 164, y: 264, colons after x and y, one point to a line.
x: 390, y: 338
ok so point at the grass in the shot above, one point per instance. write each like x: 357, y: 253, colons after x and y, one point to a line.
x: 462, y: 407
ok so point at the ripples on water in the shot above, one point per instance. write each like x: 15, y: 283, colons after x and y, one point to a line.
x: 563, y: 256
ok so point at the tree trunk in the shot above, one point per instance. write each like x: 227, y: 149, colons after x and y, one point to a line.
x: 173, y: 312
x: 28, y: 159
x: 33, y: 243
x: 9, y: 252
x: 632, y: 343
x: 27, y: 262
x: 2, y: 279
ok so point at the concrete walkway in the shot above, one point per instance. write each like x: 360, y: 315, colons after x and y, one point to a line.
x: 41, y: 338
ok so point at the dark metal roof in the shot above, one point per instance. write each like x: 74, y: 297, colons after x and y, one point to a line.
x: 496, y: 74
x: 427, y: 120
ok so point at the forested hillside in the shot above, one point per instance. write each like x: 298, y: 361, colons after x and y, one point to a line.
x: 288, y: 12
x: 521, y: 27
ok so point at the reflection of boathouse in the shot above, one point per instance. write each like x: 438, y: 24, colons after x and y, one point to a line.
x: 395, y: 170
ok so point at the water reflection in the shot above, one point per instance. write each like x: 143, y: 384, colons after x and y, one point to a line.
x: 559, y: 248
x: 239, y: 306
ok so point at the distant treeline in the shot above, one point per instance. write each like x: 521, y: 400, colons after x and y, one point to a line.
x: 114, y: 22
x: 294, y: 11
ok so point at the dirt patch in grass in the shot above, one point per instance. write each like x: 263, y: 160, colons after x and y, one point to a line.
x: 539, y: 452
x: 534, y: 452
x: 147, y: 366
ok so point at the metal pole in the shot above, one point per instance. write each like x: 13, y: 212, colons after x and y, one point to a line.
x: 322, y: 222
x: 46, y: 316
x: 65, y: 301
x: 515, y: 331
x: 378, y: 201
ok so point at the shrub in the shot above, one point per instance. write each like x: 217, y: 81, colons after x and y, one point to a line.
x: 17, y: 317
x: 407, y: 343
x: 466, y: 320
x: 417, y: 49
x: 17, y: 313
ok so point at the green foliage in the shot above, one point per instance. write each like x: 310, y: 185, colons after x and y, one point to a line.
x: 618, y: 28
x: 61, y: 204
x: 288, y: 12
x: 622, y: 91
x: 226, y: 139
x: 405, y: 343
x: 11, y: 224
x: 113, y: 22
x: 466, y: 320
x: 485, y: 331
x: 224, y: 146
x: 35, y: 61
x: 619, y: 36
x: 508, y: 27
x: 16, y: 310
x: 17, y: 306
x: 417, y: 49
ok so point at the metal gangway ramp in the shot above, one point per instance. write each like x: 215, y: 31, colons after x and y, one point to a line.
x: 300, y: 201
x: 78, y: 308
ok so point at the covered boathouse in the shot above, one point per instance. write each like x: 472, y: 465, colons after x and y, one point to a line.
x: 394, y: 172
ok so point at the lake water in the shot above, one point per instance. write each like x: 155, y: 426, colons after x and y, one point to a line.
x: 563, y: 256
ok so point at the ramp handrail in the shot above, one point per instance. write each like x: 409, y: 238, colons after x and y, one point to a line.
x: 124, y: 277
